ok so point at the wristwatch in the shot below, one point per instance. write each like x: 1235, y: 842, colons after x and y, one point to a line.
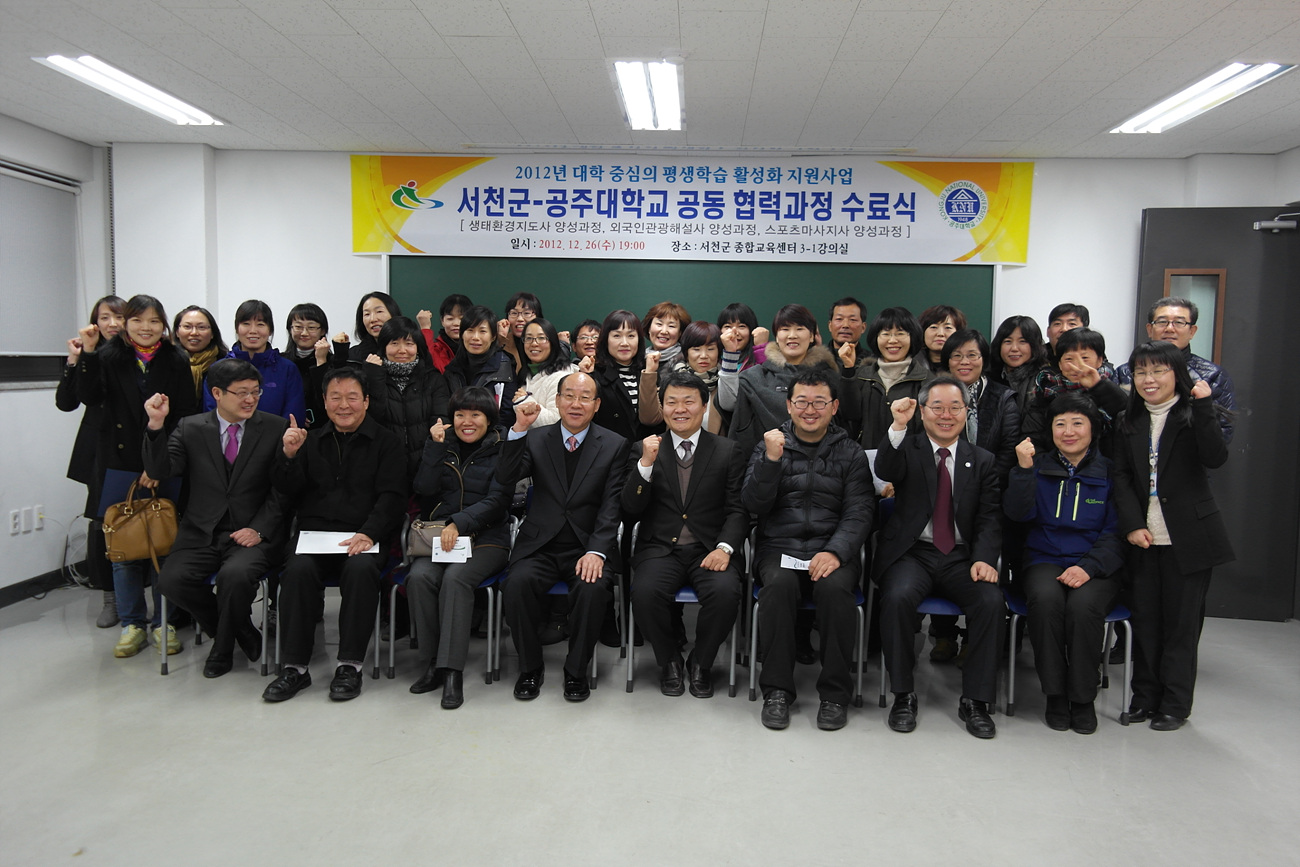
x: 725, y: 548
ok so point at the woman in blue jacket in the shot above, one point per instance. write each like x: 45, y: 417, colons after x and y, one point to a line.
x: 282, y: 391
x: 1071, y: 555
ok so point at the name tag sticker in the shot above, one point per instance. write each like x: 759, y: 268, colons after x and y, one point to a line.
x: 788, y: 562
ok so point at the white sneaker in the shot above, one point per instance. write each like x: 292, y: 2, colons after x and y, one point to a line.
x: 131, y: 642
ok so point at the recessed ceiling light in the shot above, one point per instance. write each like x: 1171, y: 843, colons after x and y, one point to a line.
x: 651, y: 94
x: 1210, y: 92
x: 113, y: 81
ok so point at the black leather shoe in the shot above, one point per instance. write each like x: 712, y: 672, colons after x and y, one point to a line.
x: 452, y: 694
x: 1058, y: 713
x: 976, y: 716
x: 529, y: 684
x: 218, y: 664
x: 832, y: 717
x: 287, y: 685
x: 1083, y: 717
x: 249, y: 640
x: 430, y: 680
x: 575, y: 688
x: 701, y: 679
x: 1138, y: 714
x: 346, y: 683
x: 902, y: 716
x: 776, y: 710
x: 672, y: 680
x: 1163, y: 722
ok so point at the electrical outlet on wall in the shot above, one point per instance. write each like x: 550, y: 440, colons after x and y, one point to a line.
x: 27, y: 519
x: 15, y: 523
x: 38, y: 517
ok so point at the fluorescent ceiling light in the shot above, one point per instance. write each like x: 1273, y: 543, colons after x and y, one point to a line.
x: 128, y: 88
x: 1210, y: 92
x: 651, y: 94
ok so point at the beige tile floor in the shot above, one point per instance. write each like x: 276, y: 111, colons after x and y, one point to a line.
x: 102, y: 761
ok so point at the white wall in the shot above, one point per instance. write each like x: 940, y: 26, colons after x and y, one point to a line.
x: 34, y: 459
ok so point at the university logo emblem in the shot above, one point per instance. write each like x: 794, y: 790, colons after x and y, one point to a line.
x: 406, y: 197
x: 963, y: 205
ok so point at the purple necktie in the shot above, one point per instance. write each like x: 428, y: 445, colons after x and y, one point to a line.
x: 945, y: 537
x: 573, y: 443
x: 232, y: 443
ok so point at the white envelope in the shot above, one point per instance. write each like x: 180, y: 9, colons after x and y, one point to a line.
x: 325, y: 542
x: 788, y: 562
x: 459, y: 553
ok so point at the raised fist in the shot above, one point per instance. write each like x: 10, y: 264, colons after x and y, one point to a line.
x: 374, y: 359
x: 526, y: 414
x: 322, y: 348
x: 774, y: 442
x: 760, y: 336
x: 649, y: 450
x: 89, y: 338
x: 732, y: 341
x: 425, y: 318
x: 848, y: 355
x: 157, y: 408
x: 652, y: 361
x: 588, y: 363
x: 1025, y: 453
x: 902, y: 409
x: 1201, y: 389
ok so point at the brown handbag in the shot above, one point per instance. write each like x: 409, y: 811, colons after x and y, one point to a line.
x: 139, y: 529
x: 423, y: 536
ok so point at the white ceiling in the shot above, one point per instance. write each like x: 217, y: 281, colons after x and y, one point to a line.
x: 947, y: 78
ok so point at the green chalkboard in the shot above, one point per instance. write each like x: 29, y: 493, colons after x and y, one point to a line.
x: 572, y: 290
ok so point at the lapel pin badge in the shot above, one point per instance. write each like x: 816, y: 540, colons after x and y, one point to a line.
x: 968, y: 465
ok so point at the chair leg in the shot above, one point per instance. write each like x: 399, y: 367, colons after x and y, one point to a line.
x: 266, y: 607
x: 631, y: 649
x: 731, y: 652
x: 862, y: 655
x: 591, y: 679
x: 374, y: 671
x: 882, y: 676
x: 753, y: 654
x: 1011, y: 666
x: 1127, y: 691
x: 1105, y: 656
x: 392, y: 638
x: 279, y: 664
x: 491, y: 626
x: 162, y: 614
x: 501, y: 619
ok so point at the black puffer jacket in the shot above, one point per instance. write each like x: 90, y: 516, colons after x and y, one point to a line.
x: 465, y: 493
x: 497, y: 370
x: 408, y: 412
x: 814, y: 499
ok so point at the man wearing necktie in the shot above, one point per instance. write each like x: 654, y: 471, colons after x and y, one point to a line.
x: 570, y: 532
x: 943, y: 539
x: 684, y: 488
x: 232, y: 521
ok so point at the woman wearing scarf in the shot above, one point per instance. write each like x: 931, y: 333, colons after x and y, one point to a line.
x: 198, y: 336
x: 480, y: 361
x: 120, y: 376
x: 701, y: 345
x: 309, y: 347
x: 407, y: 394
x: 1019, y: 355
x: 546, y: 362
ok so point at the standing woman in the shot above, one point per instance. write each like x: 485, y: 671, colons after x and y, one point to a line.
x: 480, y: 361
x: 521, y: 308
x: 374, y: 309
x: 120, y: 376
x: 740, y: 335
x: 1168, y: 438
x: 938, y: 323
x: 701, y: 351
x: 1071, y: 556
x: 898, y: 370
x: 1019, y: 354
x: 457, y: 483
x: 107, y: 318
x: 199, y: 337
x: 282, y: 389
x: 993, y: 419
x: 309, y: 348
x: 407, y: 393
x: 663, y: 325
x: 546, y: 363
x: 628, y: 377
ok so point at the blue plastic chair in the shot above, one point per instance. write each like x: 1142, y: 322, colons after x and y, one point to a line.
x: 492, y: 666
x: 685, y: 595
x: 858, y: 600
x: 1118, y: 614
x: 384, y: 574
x: 198, y: 631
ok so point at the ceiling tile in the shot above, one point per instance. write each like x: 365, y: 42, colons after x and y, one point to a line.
x: 492, y: 56
x: 559, y: 35
x: 466, y: 17
x: 397, y: 33
x: 721, y: 35
x: 808, y: 18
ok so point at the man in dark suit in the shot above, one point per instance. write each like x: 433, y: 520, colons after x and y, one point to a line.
x: 943, y: 538
x: 232, y: 521
x: 348, y: 476
x: 571, y: 529
x: 686, y: 493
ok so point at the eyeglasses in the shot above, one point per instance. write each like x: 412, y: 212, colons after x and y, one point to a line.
x: 802, y: 403
x: 245, y: 395
x: 945, y: 410
x: 969, y: 356
x: 304, y: 327
x: 1151, y: 372
x: 1162, y: 322
x: 521, y: 314
x: 192, y: 326
x: 540, y: 339
x: 580, y: 400
x: 588, y: 338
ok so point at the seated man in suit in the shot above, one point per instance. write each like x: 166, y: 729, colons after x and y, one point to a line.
x: 685, y: 491
x: 346, y: 476
x: 811, y: 488
x: 571, y: 529
x: 232, y: 521
x: 944, y: 538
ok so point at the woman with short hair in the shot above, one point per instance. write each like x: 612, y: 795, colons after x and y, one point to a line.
x: 938, y: 323
x: 456, y: 483
x: 481, y: 361
x: 282, y: 389
x: 407, y: 393
x: 897, y: 370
